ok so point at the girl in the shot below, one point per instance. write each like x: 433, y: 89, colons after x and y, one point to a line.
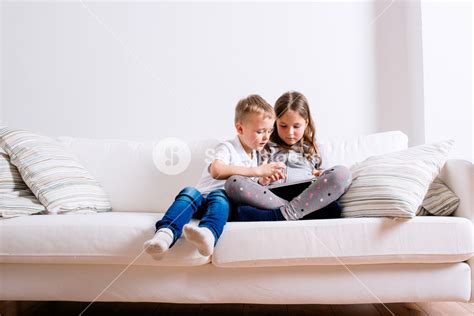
x: 292, y: 142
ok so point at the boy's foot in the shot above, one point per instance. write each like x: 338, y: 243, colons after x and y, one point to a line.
x: 201, y: 237
x: 160, y: 243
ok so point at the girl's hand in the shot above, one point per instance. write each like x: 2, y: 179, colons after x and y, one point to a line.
x: 271, y: 169
x: 317, y: 172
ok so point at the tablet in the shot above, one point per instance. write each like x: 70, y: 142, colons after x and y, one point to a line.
x: 288, y: 191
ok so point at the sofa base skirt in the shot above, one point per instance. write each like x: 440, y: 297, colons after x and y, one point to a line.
x: 208, y: 284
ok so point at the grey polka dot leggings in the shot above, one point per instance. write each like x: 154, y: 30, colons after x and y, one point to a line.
x: 328, y: 187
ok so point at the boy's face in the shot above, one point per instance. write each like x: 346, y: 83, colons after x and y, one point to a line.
x: 255, y: 130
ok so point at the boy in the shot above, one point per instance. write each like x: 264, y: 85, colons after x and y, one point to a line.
x: 254, y: 119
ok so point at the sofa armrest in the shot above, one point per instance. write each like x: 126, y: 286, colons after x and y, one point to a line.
x: 459, y: 177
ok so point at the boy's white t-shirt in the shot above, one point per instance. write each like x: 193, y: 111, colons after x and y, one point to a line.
x: 232, y: 153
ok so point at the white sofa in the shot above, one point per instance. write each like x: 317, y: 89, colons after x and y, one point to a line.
x: 99, y: 257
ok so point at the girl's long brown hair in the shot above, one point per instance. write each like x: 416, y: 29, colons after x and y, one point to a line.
x: 296, y: 101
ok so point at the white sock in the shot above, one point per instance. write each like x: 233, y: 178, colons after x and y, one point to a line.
x: 201, y: 237
x: 160, y: 243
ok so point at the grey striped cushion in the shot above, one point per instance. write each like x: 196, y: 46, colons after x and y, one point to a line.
x: 439, y: 200
x: 394, y: 184
x: 19, y: 203
x: 10, y: 178
x: 15, y: 197
x: 52, y: 173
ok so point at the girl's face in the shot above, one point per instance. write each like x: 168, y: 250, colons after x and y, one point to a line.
x: 290, y: 127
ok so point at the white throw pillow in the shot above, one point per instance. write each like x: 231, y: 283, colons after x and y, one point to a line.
x: 394, y: 184
x: 52, y: 173
x: 15, y: 197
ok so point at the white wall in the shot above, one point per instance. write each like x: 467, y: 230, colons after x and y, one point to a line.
x: 155, y: 69
x: 399, y: 69
x: 1, y: 61
x: 447, y: 62
x: 149, y: 70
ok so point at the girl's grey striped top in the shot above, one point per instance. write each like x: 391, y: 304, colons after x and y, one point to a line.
x: 298, y: 167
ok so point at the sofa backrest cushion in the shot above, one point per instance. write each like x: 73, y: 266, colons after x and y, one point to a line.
x: 128, y: 174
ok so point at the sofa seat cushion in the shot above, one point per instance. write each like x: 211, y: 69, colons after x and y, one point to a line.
x: 423, y: 239
x: 101, y: 238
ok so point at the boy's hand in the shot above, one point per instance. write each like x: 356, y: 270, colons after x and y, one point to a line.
x: 271, y: 169
x: 264, y: 180
x: 270, y: 179
x: 271, y: 172
x: 317, y: 172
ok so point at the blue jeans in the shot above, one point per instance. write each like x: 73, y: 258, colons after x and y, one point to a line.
x: 213, y: 211
x: 247, y: 213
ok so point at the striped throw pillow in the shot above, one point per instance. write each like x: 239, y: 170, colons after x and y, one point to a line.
x: 15, y: 197
x: 394, y: 184
x: 439, y: 200
x: 52, y: 173
x: 10, y: 178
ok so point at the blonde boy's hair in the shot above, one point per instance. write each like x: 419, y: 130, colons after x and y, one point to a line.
x: 253, y: 104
